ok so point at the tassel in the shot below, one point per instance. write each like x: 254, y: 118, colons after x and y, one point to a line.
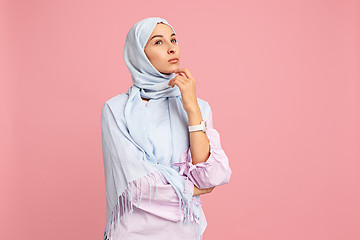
x: 123, y: 207
x: 146, y: 177
x: 137, y: 194
x: 140, y: 192
x: 155, y: 190
x: 124, y: 204
x: 117, y: 214
x: 132, y: 196
x: 125, y: 212
x: 152, y: 176
x: 129, y: 197
x: 111, y: 224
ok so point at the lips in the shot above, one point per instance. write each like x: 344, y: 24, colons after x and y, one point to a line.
x: 173, y: 60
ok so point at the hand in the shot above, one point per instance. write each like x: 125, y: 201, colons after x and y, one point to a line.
x: 198, y: 191
x: 186, y: 82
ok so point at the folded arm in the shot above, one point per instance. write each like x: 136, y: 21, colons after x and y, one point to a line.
x: 215, y: 170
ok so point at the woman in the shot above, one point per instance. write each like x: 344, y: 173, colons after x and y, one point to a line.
x: 160, y: 149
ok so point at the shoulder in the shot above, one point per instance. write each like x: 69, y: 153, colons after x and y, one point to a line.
x: 115, y: 106
x: 117, y: 101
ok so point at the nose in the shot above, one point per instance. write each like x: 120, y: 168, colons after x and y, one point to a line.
x: 172, y: 50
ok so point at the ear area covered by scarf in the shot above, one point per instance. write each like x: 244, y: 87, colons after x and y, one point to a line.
x: 125, y: 163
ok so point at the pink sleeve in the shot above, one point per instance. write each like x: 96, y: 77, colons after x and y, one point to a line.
x: 166, y: 203
x: 215, y: 170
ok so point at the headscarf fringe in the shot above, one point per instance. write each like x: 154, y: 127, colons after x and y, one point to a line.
x: 124, y: 206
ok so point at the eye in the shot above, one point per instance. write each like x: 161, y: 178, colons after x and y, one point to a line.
x: 161, y: 41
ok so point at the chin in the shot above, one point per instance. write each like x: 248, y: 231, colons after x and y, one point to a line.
x: 170, y: 71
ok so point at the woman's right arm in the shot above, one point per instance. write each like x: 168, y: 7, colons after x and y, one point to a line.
x: 198, y: 191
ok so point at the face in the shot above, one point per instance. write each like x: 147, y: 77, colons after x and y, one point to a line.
x: 161, y: 47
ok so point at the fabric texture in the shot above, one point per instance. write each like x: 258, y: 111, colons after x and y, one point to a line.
x: 129, y: 153
x: 159, y: 218
x: 150, y: 215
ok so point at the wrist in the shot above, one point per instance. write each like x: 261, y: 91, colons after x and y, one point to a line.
x: 193, y: 109
x: 194, y: 116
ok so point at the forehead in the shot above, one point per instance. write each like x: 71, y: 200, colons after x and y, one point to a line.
x: 162, y: 29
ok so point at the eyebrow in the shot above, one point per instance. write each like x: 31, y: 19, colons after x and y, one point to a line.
x: 161, y: 36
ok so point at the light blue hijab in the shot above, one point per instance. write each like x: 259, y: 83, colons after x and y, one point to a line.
x: 139, y: 140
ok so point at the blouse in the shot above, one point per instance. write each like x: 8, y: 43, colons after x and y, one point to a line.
x: 160, y: 218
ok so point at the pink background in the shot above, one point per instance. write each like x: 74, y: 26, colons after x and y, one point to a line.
x: 282, y: 78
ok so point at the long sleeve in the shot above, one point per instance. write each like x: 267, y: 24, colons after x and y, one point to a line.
x: 161, y: 219
x: 166, y: 203
x: 215, y: 170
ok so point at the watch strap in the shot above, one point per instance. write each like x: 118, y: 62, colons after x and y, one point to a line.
x: 201, y: 127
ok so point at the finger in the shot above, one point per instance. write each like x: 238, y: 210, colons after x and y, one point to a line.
x: 181, y: 74
x: 184, y: 79
x: 178, y: 78
x: 173, y: 79
x: 179, y: 82
x: 185, y: 71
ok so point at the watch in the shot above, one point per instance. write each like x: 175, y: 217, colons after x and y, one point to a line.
x: 201, y: 127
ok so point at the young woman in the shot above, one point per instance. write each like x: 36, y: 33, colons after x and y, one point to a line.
x: 160, y: 149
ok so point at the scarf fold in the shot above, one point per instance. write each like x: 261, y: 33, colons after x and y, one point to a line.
x: 129, y: 150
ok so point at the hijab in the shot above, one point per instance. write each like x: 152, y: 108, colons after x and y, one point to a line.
x: 131, y: 147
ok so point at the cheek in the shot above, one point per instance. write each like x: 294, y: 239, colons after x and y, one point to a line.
x: 152, y: 56
x: 159, y: 56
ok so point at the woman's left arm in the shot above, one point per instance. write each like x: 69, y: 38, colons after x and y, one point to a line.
x: 215, y: 171
x: 199, y: 142
x: 204, y: 162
